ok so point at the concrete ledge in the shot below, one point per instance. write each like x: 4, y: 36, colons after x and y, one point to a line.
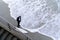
x: 12, y: 29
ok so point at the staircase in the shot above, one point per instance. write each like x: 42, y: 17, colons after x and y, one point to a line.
x: 5, y: 35
x: 11, y: 32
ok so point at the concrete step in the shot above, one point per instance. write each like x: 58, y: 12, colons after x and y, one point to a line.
x: 4, y: 35
x: 9, y: 37
x: 14, y: 38
x: 1, y: 31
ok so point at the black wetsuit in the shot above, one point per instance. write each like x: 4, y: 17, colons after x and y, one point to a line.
x: 18, y: 21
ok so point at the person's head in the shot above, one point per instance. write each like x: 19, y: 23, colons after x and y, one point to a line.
x: 19, y: 16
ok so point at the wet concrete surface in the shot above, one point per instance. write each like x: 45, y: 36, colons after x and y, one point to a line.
x: 4, y: 12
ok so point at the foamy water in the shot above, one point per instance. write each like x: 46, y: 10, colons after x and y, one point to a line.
x: 37, y: 16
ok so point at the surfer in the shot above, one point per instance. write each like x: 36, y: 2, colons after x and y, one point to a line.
x: 18, y: 21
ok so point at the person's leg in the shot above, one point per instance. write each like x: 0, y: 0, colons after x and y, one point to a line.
x: 18, y: 24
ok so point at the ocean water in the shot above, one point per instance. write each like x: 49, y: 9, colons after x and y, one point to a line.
x: 5, y: 13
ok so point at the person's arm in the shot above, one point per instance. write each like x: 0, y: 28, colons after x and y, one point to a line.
x: 20, y: 18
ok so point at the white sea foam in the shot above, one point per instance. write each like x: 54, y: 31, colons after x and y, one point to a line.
x: 37, y: 15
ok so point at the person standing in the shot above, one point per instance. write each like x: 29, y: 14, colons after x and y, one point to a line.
x: 18, y: 21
